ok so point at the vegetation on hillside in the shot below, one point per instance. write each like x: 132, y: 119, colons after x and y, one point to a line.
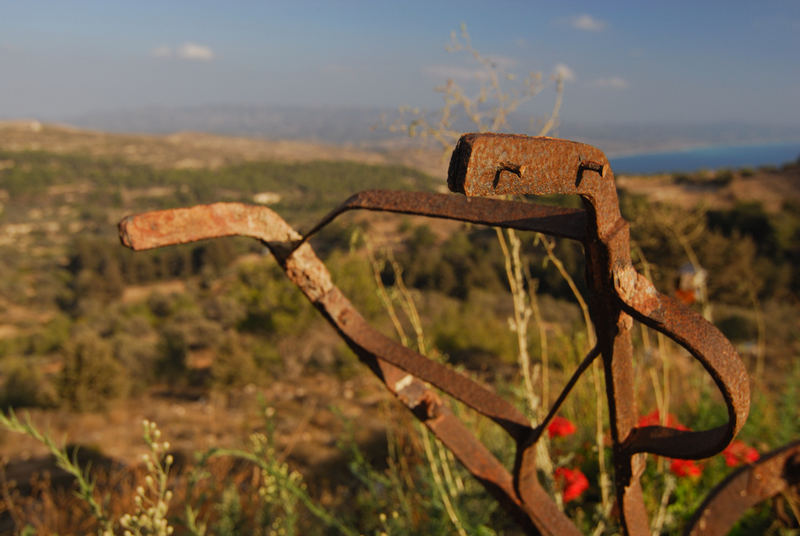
x: 86, y: 325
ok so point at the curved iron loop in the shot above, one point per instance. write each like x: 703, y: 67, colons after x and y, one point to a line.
x: 773, y: 473
x: 708, y: 346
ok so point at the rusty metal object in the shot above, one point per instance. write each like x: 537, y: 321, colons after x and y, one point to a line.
x: 402, y: 370
x: 493, y: 164
x: 487, y: 165
x: 774, y: 473
x: 555, y: 221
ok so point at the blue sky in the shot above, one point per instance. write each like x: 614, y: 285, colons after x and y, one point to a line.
x: 625, y: 61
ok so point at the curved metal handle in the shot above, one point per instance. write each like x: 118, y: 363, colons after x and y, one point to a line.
x: 708, y: 346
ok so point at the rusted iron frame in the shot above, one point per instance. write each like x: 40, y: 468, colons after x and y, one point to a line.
x: 495, y: 164
x: 489, y: 164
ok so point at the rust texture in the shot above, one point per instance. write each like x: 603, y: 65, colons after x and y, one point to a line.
x: 774, y: 473
x: 485, y: 165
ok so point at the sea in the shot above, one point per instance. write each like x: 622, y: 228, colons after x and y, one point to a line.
x: 714, y: 157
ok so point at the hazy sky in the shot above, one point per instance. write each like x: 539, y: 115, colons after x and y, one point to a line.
x: 627, y: 61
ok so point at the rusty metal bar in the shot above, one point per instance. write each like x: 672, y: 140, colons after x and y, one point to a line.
x: 304, y: 268
x: 555, y: 221
x: 398, y: 367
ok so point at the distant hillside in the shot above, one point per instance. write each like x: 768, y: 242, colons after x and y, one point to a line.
x: 193, y: 150
x: 187, y: 150
x: 771, y: 188
x: 362, y: 127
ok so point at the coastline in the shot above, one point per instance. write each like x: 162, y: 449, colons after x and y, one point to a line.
x: 690, y: 158
x: 683, y: 147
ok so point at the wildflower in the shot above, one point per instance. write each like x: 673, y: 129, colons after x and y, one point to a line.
x: 685, y: 468
x: 560, y: 427
x: 738, y: 453
x: 654, y: 419
x: 574, y: 483
x: 686, y: 296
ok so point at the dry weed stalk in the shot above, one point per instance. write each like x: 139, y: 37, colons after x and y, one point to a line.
x: 670, y: 482
x: 500, y: 94
x: 440, y: 460
x: 662, y: 390
x: 605, y: 480
x: 494, y: 117
x: 152, y: 500
x: 523, y: 311
x: 522, y: 315
x: 761, y: 328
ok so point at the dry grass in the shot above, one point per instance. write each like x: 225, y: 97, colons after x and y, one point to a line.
x: 46, y: 502
x: 307, y: 425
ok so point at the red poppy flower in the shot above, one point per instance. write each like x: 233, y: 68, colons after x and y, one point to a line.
x: 685, y: 468
x: 573, y: 483
x: 654, y: 419
x: 738, y: 453
x: 686, y: 296
x: 560, y: 427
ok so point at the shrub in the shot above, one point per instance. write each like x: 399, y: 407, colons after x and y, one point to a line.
x: 465, y: 260
x: 233, y: 365
x: 224, y: 310
x: 138, y: 356
x: 723, y: 177
x: 197, y: 331
x: 91, y: 376
x: 472, y: 333
x: 172, y: 350
x: 25, y: 386
x: 52, y: 336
